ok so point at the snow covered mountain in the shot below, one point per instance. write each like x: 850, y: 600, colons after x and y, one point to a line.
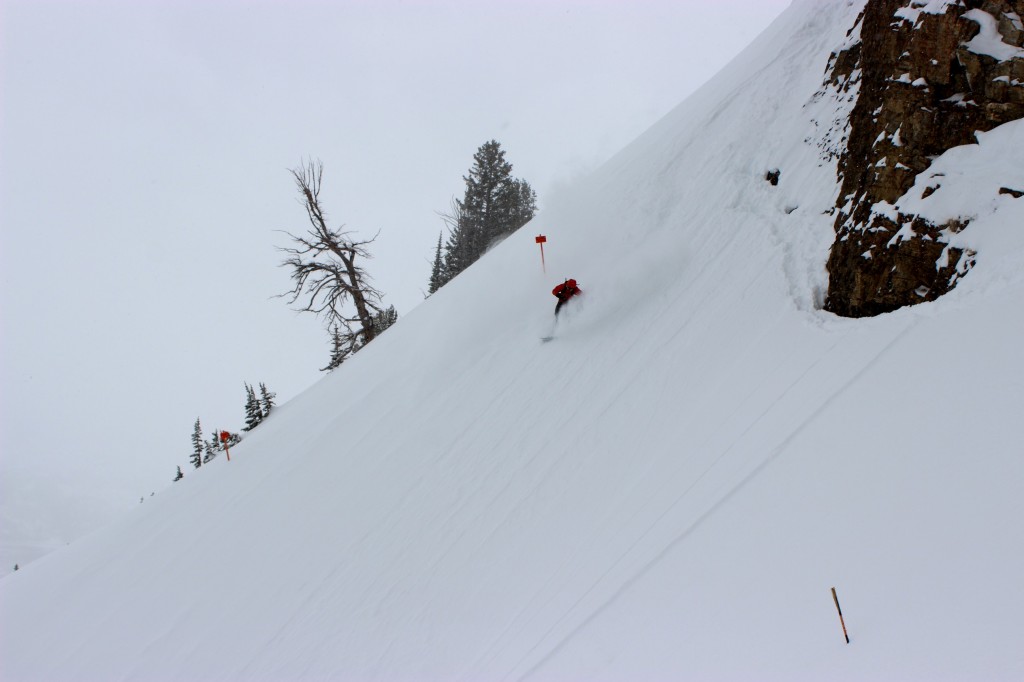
x: 667, y: 490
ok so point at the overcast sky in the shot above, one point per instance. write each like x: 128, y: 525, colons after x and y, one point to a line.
x: 144, y: 156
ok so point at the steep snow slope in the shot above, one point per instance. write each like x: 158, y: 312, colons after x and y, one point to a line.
x: 665, y: 491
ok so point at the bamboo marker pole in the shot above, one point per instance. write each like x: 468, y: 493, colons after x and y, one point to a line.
x: 841, y: 621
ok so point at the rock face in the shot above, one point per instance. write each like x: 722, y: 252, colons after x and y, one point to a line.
x: 930, y: 74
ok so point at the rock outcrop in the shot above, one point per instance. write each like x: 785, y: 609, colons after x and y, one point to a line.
x: 930, y: 74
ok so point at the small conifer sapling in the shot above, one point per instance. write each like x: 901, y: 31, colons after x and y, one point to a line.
x: 197, y: 445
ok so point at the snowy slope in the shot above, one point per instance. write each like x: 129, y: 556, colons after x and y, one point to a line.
x: 665, y: 491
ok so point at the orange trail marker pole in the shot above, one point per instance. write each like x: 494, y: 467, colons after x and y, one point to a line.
x: 224, y: 436
x: 841, y: 622
x: 540, y: 239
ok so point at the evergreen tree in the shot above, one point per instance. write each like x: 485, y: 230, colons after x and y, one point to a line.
x: 197, y: 445
x: 266, y: 399
x: 519, y: 204
x: 486, y: 191
x: 494, y: 206
x: 212, y: 446
x: 460, y: 251
x: 179, y: 475
x: 340, y: 350
x: 253, y: 413
x: 384, y: 319
x: 437, y: 278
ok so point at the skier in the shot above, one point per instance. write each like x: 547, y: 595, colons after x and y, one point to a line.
x: 563, y: 292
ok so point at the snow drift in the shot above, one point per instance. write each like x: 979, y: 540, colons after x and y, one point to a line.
x: 668, y: 490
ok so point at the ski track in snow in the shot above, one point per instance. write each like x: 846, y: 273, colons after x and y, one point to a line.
x: 618, y: 590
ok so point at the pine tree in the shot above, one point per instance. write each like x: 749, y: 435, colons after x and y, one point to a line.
x: 211, y: 446
x: 266, y: 400
x: 437, y: 278
x: 494, y: 206
x: 197, y: 445
x: 460, y: 251
x: 486, y: 190
x: 519, y: 203
x: 253, y: 414
x: 384, y: 319
x: 340, y: 350
x: 179, y: 475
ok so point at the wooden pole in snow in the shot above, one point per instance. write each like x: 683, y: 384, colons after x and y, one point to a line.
x: 540, y: 240
x: 224, y: 438
x: 841, y: 621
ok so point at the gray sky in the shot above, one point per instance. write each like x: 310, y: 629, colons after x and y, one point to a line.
x: 144, y: 149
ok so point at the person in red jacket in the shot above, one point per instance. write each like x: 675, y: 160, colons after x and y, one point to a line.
x: 563, y: 292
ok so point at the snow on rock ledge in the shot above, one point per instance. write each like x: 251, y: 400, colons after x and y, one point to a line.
x: 931, y: 74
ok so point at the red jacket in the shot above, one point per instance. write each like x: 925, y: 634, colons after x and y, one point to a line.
x: 566, y: 290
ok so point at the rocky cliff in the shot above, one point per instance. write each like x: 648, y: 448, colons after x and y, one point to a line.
x: 928, y: 74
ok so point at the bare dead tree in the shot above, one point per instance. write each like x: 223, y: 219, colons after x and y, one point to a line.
x: 327, y: 279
